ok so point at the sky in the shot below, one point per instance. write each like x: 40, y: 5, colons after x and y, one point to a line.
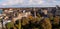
x: 29, y: 3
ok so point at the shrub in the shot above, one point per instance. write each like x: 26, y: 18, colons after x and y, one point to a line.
x: 46, y: 24
x: 9, y: 25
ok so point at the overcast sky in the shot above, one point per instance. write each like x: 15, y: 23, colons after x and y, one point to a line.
x: 29, y: 3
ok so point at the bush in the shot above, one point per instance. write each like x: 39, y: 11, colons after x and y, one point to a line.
x: 9, y: 25
x: 46, y: 24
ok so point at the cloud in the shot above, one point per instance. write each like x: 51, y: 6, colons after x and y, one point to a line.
x: 41, y: 2
x: 11, y: 2
x: 34, y: 2
x: 28, y: 3
x: 22, y: 2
